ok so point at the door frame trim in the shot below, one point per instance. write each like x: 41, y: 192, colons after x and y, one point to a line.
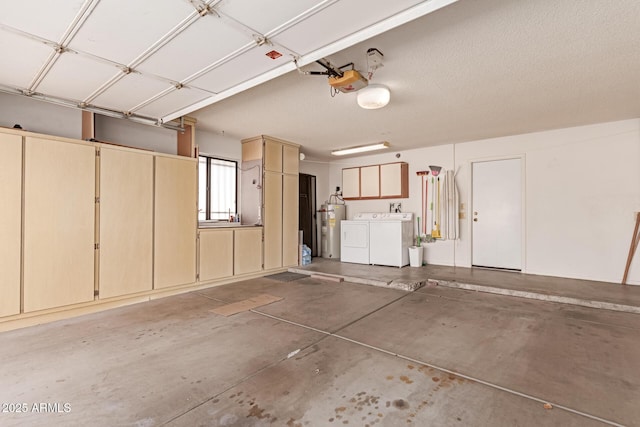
x: 523, y: 182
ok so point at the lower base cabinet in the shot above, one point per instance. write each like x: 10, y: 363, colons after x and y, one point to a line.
x: 247, y: 250
x: 216, y: 254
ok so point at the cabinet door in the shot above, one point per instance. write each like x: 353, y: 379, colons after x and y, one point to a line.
x: 247, y: 250
x: 59, y: 218
x: 290, y: 159
x: 272, y: 221
x: 351, y: 183
x: 126, y: 222
x: 10, y: 222
x: 394, y: 180
x: 216, y: 254
x: 175, y: 222
x: 272, y: 155
x: 370, y: 181
x: 290, y: 217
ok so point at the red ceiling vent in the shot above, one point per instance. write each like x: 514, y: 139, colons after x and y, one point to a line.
x: 274, y: 54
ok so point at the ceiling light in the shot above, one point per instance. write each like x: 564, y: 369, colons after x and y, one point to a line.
x: 373, y: 97
x: 360, y: 149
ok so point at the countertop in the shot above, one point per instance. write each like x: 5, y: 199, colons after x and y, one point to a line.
x: 214, y: 225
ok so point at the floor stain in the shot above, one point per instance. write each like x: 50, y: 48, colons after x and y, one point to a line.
x: 410, y: 366
x: 389, y: 377
x: 405, y: 379
x: 401, y: 404
x: 292, y: 423
x: 257, y: 412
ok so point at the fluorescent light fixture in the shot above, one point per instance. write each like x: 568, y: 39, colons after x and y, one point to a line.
x: 360, y: 149
x: 373, y: 97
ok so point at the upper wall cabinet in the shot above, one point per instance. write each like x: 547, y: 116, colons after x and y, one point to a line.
x: 386, y: 181
x: 394, y: 180
x: 370, y: 182
x: 10, y: 222
x: 351, y: 183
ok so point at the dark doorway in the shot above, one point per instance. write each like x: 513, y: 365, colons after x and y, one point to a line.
x: 307, y: 212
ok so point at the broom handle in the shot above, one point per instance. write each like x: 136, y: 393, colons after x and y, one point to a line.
x: 635, y: 239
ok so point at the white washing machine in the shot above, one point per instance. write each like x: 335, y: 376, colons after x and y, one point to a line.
x: 354, y: 239
x: 390, y: 235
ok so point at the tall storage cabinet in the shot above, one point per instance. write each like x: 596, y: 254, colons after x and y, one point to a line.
x: 278, y: 209
x: 272, y: 220
x: 126, y: 222
x: 59, y: 221
x: 10, y: 222
x: 175, y: 224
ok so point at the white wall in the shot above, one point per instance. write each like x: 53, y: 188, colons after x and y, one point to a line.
x: 582, y: 189
x: 217, y: 145
x: 38, y: 116
x: 131, y: 134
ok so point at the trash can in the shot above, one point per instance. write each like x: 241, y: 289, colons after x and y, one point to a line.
x: 415, y: 256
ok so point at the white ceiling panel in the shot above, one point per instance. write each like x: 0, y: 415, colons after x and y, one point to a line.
x: 22, y: 59
x: 121, y: 30
x: 337, y: 21
x: 182, y: 97
x: 44, y: 18
x: 130, y: 91
x: 246, y: 66
x: 203, y: 43
x: 75, y: 77
x: 265, y: 16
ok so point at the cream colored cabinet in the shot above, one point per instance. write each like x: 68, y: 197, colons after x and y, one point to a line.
x: 370, y: 182
x: 278, y: 211
x: 290, y: 159
x: 272, y: 155
x: 175, y: 223
x: 247, y: 250
x: 126, y: 222
x: 216, y: 254
x: 59, y: 221
x: 394, y: 180
x: 290, y: 201
x: 10, y: 222
x: 386, y: 181
x: 351, y: 183
x: 272, y: 220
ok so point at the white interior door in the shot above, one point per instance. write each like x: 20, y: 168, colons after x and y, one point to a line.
x: 497, y: 214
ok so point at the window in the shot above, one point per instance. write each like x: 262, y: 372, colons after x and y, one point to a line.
x: 217, y: 188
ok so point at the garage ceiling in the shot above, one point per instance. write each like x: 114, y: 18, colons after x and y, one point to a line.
x: 469, y: 71
x: 156, y: 60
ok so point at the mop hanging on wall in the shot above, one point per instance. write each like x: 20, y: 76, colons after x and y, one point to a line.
x: 425, y: 199
x: 435, y: 210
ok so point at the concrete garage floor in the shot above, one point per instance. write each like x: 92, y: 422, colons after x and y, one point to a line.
x: 368, y: 356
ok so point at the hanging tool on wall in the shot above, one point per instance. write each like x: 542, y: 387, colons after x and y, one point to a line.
x: 635, y: 240
x: 425, y: 199
x: 435, y: 214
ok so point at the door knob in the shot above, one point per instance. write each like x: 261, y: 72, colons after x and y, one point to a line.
x: 475, y: 213
x: 475, y: 219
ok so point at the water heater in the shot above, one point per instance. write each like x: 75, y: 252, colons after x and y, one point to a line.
x: 330, y: 217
